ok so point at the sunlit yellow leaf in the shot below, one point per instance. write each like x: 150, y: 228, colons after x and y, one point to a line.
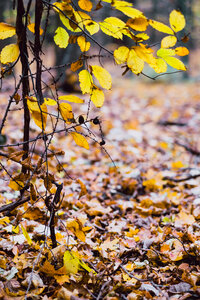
x: 61, y: 37
x: 86, y: 81
x: 16, y: 185
x: 85, y: 5
x: 39, y: 113
x: 66, y: 112
x: 135, y: 63
x: 159, y: 65
x: 161, y: 27
x: 31, y: 27
x: 139, y: 24
x: 130, y: 11
x: 71, y: 98
x: 26, y: 235
x: 181, y: 51
x: 15, y: 229
x: 83, y: 44
x: 50, y: 101
x: 176, y: 20
x: 6, y: 31
x: 71, y: 262
x: 175, y: 63
x: 144, y: 53
x: 121, y: 55
x: 97, y: 97
x: 168, y: 41
x: 120, y: 3
x: 9, y: 53
x: 80, y: 140
x: 165, y: 52
x: 103, y: 76
x: 112, y: 26
x: 91, y: 26
x: 142, y: 36
x: 4, y: 221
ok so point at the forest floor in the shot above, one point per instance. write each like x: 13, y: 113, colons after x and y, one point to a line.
x: 135, y: 234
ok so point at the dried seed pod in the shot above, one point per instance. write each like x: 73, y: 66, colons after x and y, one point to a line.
x: 81, y: 119
x: 102, y: 143
x: 96, y: 121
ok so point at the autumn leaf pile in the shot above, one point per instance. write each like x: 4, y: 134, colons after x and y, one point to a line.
x: 129, y: 231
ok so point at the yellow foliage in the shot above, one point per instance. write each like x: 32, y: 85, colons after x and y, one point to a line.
x: 6, y: 31
x: 168, y: 41
x: 50, y: 101
x: 86, y: 81
x: 71, y: 98
x: 181, y: 51
x: 121, y: 55
x: 85, y: 5
x: 103, y: 76
x: 61, y: 37
x: 9, y: 53
x: 175, y: 63
x: 66, y: 112
x: 38, y: 112
x: 26, y: 235
x: 130, y: 11
x: 80, y: 140
x: 135, y: 63
x: 161, y: 27
x: 139, y: 24
x: 83, y: 44
x: 112, y: 26
x: 76, y: 65
x: 159, y: 65
x: 176, y: 20
x: 16, y: 185
x: 91, y: 26
x: 97, y: 96
x: 31, y: 27
x: 71, y: 263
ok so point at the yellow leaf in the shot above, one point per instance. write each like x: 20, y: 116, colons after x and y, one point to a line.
x: 9, y: 53
x: 130, y: 11
x: 61, y: 279
x: 77, y: 228
x: 176, y: 20
x: 177, y: 164
x: 112, y: 26
x: 4, y: 221
x: 61, y: 37
x: 181, y: 51
x: 66, y: 112
x: 168, y: 41
x: 119, y: 3
x: 16, y: 185
x: 80, y: 140
x: 15, y: 229
x: 71, y: 262
x: 144, y: 53
x: 31, y: 27
x: 83, y: 44
x: 86, y: 81
x: 165, y: 52
x: 142, y: 36
x: 50, y: 101
x: 91, y: 26
x: 6, y: 31
x: 76, y: 65
x: 71, y: 98
x: 159, y: 65
x: 26, y: 235
x: 135, y: 63
x: 39, y: 113
x: 139, y: 24
x: 121, y: 55
x: 103, y: 76
x: 161, y: 27
x: 175, y: 63
x: 85, y: 5
x: 97, y: 97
